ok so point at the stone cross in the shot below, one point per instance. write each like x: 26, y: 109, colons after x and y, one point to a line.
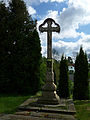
x: 49, y: 95
x: 49, y: 29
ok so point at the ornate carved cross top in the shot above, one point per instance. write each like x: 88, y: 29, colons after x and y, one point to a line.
x: 49, y: 29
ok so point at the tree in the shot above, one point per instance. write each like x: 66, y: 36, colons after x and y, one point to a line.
x: 35, y: 62
x: 4, y: 54
x: 23, y: 49
x: 43, y: 70
x: 81, y: 84
x: 63, y: 87
x: 70, y: 61
x: 56, y: 71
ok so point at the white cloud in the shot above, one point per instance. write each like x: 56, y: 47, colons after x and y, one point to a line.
x: 69, y: 48
x: 68, y: 22
x: 52, y: 14
x: 44, y: 1
x: 5, y: 1
x: 37, y: 2
x: 52, y: 1
x: 32, y: 2
x: 31, y: 10
x: 58, y: 0
x: 77, y: 13
x: 70, y: 18
x: 85, y: 4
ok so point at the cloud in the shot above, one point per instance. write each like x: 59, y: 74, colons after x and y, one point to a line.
x: 76, y: 14
x: 69, y: 48
x: 37, y: 2
x: 85, y: 6
x: 31, y: 10
x: 5, y: 1
x: 44, y: 1
x: 69, y: 19
x: 32, y: 2
x: 65, y: 47
x: 52, y: 1
x: 58, y: 0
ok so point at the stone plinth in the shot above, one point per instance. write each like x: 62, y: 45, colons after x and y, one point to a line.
x: 49, y: 95
x: 63, y: 111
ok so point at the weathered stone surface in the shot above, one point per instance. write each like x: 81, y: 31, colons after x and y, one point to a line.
x: 65, y: 106
x: 37, y: 116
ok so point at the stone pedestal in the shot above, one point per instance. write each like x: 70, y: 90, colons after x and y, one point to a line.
x: 49, y: 98
x: 49, y: 95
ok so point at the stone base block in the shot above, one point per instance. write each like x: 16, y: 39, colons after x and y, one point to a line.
x: 49, y: 98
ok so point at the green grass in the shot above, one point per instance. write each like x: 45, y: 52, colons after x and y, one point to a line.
x: 9, y: 104
x: 82, y: 109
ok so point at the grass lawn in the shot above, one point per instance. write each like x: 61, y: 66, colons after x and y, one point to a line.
x: 9, y: 104
x: 83, y: 110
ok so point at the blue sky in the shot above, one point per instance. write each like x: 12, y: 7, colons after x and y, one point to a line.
x: 73, y: 16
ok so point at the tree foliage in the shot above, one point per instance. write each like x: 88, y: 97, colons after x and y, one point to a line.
x: 81, y: 85
x: 56, y: 71
x: 63, y: 87
x: 21, y: 50
x: 4, y: 56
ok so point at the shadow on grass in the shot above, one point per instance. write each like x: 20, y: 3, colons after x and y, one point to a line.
x: 9, y: 103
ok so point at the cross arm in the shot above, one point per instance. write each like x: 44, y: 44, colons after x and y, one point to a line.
x: 43, y: 29
x: 55, y: 29
x: 52, y: 29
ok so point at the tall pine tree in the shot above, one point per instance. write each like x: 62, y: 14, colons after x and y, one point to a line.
x: 81, y: 84
x: 63, y: 87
